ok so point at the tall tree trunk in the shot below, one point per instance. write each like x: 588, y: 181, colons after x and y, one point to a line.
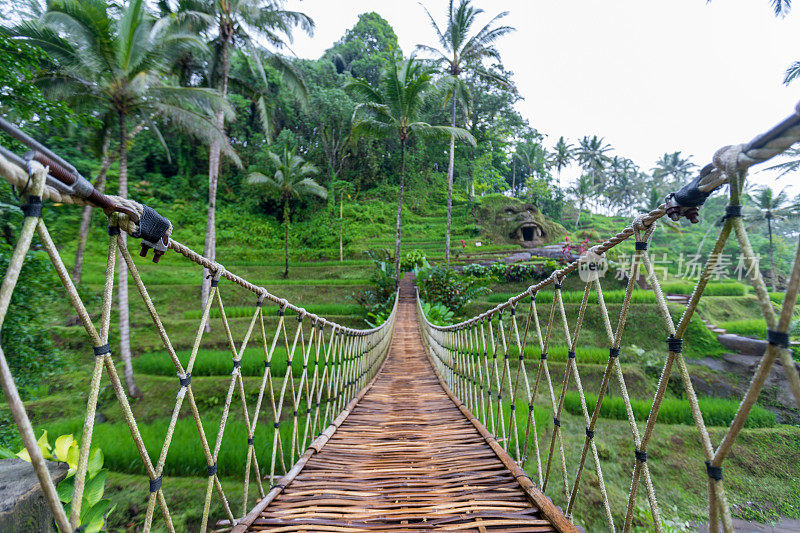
x: 580, y: 209
x: 450, y: 169
x: 513, y: 177
x: 286, y: 215
x: 124, y: 316
x: 86, y: 217
x: 341, y: 227
x: 214, y: 152
x: 399, y: 212
x: 771, y: 254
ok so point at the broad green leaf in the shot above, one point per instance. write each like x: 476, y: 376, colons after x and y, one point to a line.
x: 23, y: 454
x: 63, y: 444
x: 95, y: 462
x: 94, y: 489
x: 65, y: 489
x: 5, y: 453
x: 44, y: 445
x: 72, y: 456
x: 93, y: 518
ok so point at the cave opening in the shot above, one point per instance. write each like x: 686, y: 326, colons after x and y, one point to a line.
x: 527, y: 233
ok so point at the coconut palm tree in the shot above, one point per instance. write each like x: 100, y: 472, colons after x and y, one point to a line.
x: 239, y: 24
x: 534, y: 158
x: 592, y: 155
x: 392, y: 110
x: 561, y: 156
x: 115, y: 66
x: 583, y: 189
x: 292, y: 180
x: 673, y: 169
x: 461, y: 50
x: 781, y: 7
x: 770, y: 207
x: 793, y: 163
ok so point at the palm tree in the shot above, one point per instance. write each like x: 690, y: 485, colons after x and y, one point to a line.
x: 392, y: 110
x: 239, y: 22
x: 292, y: 179
x: 583, y: 189
x: 787, y: 167
x: 462, y: 51
x: 781, y: 7
x: 115, y: 67
x: 592, y: 155
x: 534, y: 157
x: 673, y: 169
x: 561, y: 156
x: 770, y: 207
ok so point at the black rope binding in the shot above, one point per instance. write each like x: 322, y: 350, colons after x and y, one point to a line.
x: 113, y: 231
x: 251, y: 440
x: 714, y: 472
x: 33, y: 208
x: 101, y: 350
x: 557, y: 422
x: 674, y: 344
x: 212, y: 470
x: 589, y: 433
x: 732, y: 211
x: 155, y: 484
x: 571, y: 354
x: 185, y: 382
x: 613, y: 352
x: 640, y: 455
x: 641, y: 245
x: 778, y: 338
x: 215, y: 282
x: 237, y: 363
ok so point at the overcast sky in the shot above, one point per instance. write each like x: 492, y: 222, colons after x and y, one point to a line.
x: 651, y: 77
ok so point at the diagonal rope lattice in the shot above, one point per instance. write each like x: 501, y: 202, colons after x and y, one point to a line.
x: 326, y: 365
x: 475, y: 357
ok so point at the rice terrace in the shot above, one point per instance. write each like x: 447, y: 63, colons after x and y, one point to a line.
x: 298, y: 265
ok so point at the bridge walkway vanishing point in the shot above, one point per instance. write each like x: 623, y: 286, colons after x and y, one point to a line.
x: 408, y: 458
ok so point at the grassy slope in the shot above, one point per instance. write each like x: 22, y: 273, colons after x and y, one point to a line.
x: 250, y: 246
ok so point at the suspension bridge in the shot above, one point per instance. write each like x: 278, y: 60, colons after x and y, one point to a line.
x: 408, y: 426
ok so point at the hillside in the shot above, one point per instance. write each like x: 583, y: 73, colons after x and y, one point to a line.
x: 250, y: 245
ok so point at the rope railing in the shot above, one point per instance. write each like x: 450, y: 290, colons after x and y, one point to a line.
x: 482, y: 359
x: 327, y: 364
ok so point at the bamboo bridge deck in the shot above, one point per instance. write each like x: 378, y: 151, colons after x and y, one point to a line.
x: 408, y: 457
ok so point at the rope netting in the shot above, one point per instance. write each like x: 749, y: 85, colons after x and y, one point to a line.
x: 482, y: 360
x: 326, y: 365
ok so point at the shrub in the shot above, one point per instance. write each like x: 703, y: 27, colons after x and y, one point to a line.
x: 377, y: 301
x: 437, y: 314
x: 25, y: 337
x: 413, y: 260
x: 475, y: 270
x: 442, y: 285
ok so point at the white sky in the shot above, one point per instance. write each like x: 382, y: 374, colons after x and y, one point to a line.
x: 649, y: 76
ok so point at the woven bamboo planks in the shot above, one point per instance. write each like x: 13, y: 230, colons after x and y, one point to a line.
x: 407, y: 458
